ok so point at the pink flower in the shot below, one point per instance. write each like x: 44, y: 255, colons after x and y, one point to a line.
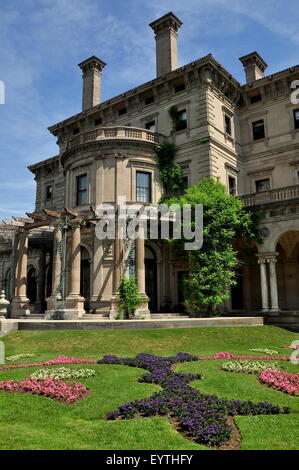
x: 56, y: 389
x: 59, y: 360
x: 283, y: 381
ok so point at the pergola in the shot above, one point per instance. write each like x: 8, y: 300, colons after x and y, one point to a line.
x: 66, y: 228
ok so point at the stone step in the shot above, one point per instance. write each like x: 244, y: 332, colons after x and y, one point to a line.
x: 163, y: 316
x: 95, y: 316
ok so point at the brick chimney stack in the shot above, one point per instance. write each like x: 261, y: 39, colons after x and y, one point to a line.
x: 92, y: 74
x: 165, y: 29
x: 254, y: 66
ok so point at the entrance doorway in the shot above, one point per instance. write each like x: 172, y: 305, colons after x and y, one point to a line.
x: 85, y: 278
x: 32, y: 285
x: 237, y: 292
x: 151, y: 278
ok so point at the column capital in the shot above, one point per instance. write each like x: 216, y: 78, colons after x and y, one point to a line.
x: 267, y: 257
x: 76, y: 223
x: 23, y: 232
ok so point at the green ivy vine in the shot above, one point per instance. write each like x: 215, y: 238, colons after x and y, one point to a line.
x: 170, y: 172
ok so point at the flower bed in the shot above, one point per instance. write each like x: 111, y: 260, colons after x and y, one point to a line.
x: 63, y: 373
x: 247, y: 367
x: 228, y: 355
x: 202, y: 417
x: 60, y: 360
x: 283, y: 381
x: 56, y: 389
x: 17, y: 357
x: 264, y: 350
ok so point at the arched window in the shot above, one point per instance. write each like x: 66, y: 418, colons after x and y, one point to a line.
x: 32, y: 285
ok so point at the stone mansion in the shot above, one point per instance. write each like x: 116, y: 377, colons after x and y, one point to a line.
x: 245, y: 135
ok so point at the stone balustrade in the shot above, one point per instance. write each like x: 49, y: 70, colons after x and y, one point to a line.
x: 118, y: 132
x: 273, y: 195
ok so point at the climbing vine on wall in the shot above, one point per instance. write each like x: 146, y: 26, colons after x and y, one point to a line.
x: 177, y: 123
x: 170, y: 172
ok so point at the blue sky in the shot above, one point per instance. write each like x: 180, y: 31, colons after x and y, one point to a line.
x: 42, y: 41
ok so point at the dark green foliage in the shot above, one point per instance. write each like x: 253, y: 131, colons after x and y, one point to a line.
x: 177, y: 124
x: 170, y: 172
x: 129, y: 295
x: 212, y: 268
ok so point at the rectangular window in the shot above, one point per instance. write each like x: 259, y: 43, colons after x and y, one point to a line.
x: 255, y: 98
x: 122, y: 111
x: 181, y: 120
x: 232, y: 186
x: 262, y: 185
x: 150, y: 126
x: 296, y: 118
x: 49, y: 192
x: 143, y: 187
x: 149, y: 99
x: 98, y: 122
x: 228, y: 125
x: 81, y: 190
x: 76, y: 131
x: 184, y: 185
x: 258, y: 129
x: 179, y: 87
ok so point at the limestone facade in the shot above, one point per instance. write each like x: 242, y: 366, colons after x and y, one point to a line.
x: 245, y: 135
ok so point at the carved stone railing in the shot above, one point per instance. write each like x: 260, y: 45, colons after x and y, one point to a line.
x: 273, y: 195
x: 118, y: 132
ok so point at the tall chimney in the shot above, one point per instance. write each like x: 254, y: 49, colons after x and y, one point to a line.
x: 92, y: 74
x: 165, y: 29
x: 254, y: 66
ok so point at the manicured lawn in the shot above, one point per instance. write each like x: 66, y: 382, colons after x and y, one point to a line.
x: 35, y: 422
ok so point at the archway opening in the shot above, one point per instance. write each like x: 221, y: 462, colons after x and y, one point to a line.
x: 85, y: 278
x: 287, y: 248
x: 8, y: 285
x: 151, y: 278
x: 32, y: 285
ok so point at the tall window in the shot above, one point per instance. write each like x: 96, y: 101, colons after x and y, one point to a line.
x: 181, y: 120
x: 232, y: 186
x: 49, y: 192
x: 296, y: 118
x: 228, y: 125
x: 81, y: 190
x: 258, y: 129
x: 143, y: 187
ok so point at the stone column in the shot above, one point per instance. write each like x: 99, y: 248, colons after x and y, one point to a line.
x: 74, y: 303
x: 140, y: 266
x: 264, y: 284
x: 54, y: 301
x: 142, y: 310
x: 20, y: 302
x: 41, y: 282
x: 116, y: 267
x: 56, y: 262
x: 273, y: 285
x: 117, y: 272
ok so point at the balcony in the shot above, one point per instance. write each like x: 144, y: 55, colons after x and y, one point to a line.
x: 273, y: 195
x: 116, y: 133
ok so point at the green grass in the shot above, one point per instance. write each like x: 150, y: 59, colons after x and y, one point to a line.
x: 33, y: 422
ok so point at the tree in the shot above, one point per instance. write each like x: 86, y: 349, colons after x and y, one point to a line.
x: 212, y: 268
